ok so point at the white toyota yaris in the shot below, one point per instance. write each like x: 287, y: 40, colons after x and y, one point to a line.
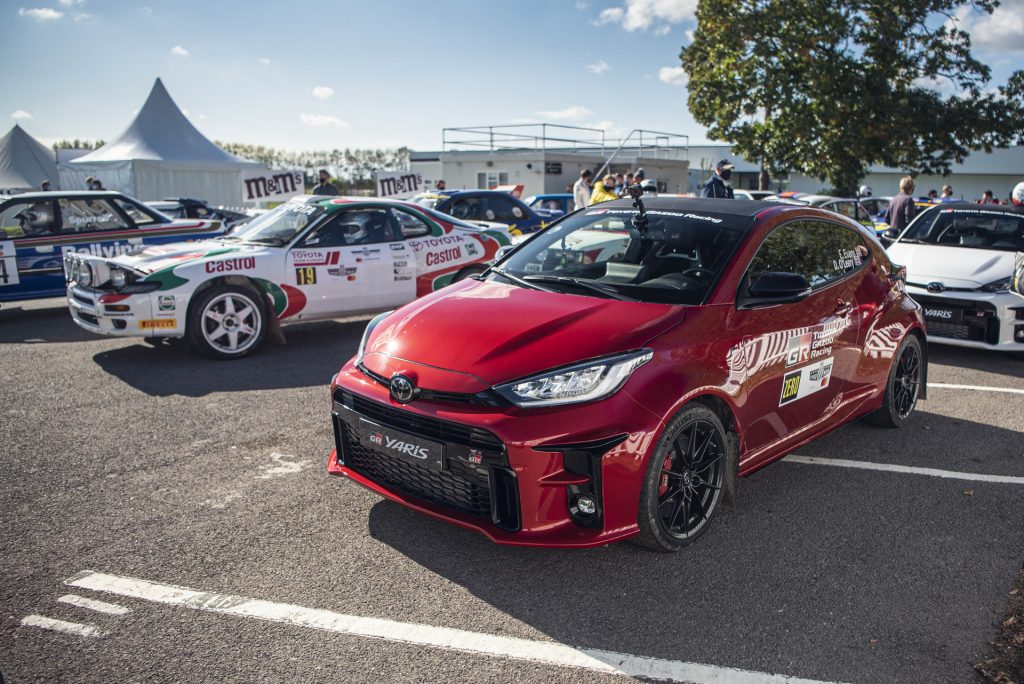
x: 960, y: 260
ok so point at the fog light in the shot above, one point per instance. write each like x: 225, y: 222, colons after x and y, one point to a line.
x: 584, y: 506
x: 118, y: 278
x: 1018, y: 333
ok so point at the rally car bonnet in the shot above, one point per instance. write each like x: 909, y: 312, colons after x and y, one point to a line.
x: 960, y: 267
x: 465, y: 331
x: 158, y: 257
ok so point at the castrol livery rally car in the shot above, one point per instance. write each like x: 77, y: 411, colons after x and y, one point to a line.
x: 37, y: 230
x: 309, y: 259
x: 597, y: 395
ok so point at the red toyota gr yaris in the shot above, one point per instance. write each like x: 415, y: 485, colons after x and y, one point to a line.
x: 612, y: 376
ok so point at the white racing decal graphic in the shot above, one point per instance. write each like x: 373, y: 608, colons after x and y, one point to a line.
x: 938, y: 313
x: 805, y: 381
x: 83, y: 221
x: 657, y: 212
x: 116, y: 249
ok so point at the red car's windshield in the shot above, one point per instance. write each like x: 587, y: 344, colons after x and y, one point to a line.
x: 598, y: 252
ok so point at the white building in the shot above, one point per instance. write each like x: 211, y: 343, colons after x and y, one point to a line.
x: 997, y: 171
x: 548, y: 158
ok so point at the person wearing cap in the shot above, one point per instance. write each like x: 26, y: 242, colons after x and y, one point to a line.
x: 581, y: 190
x: 718, y: 185
x: 604, y: 191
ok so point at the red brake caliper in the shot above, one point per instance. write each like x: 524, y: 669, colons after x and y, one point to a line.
x: 663, y: 484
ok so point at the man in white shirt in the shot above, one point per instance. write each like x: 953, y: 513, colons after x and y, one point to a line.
x: 581, y: 190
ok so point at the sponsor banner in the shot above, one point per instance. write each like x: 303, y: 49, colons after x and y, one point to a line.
x: 8, y: 264
x: 264, y: 185
x: 398, y: 184
x: 158, y: 324
x: 805, y: 381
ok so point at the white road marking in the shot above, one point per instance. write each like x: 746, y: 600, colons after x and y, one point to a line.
x: 542, y: 652
x: 98, y: 606
x: 283, y: 467
x: 933, y: 472
x: 976, y: 388
x: 61, y: 626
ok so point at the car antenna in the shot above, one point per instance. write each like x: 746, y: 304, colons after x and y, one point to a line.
x: 640, y: 217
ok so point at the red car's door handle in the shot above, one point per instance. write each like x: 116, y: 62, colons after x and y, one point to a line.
x: 843, y: 308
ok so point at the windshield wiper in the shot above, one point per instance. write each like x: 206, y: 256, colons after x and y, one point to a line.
x: 583, y: 284
x: 517, y: 280
x: 275, y: 241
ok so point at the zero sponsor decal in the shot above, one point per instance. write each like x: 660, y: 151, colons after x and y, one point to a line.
x: 8, y: 264
x: 237, y: 264
x: 805, y: 381
x: 305, y: 275
x: 158, y: 324
x: 315, y: 257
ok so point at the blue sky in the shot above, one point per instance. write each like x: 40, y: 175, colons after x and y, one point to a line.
x: 366, y: 74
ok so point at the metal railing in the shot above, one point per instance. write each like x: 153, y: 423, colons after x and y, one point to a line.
x: 542, y: 136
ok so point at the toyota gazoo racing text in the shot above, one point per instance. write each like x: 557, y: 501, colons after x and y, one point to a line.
x: 311, y: 258
x: 614, y: 375
x: 960, y: 260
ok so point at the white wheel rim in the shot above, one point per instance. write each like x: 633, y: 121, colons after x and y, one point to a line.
x: 231, y: 323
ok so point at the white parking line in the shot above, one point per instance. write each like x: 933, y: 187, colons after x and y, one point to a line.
x: 976, y: 388
x: 933, y: 472
x: 98, y: 606
x: 61, y: 626
x: 543, y: 652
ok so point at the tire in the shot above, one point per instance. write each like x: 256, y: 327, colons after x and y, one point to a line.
x: 690, y: 468
x: 239, y: 306
x: 903, y: 387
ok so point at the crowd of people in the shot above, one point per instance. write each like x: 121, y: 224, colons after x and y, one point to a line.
x: 612, y: 186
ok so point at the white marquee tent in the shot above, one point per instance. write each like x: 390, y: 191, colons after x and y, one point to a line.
x: 161, y: 154
x: 25, y: 162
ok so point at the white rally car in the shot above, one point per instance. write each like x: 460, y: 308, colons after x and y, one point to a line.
x: 312, y: 258
x: 960, y: 262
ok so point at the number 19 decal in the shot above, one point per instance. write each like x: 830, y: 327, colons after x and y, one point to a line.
x: 305, y: 275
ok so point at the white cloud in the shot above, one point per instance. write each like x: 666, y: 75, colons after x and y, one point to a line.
x: 568, y: 114
x: 71, y: 3
x: 599, y: 68
x: 322, y: 92
x: 264, y: 60
x: 610, y: 129
x: 21, y: 114
x: 41, y: 13
x: 673, y: 75
x: 322, y: 120
x: 1002, y: 31
x: 640, y: 15
x: 179, y: 51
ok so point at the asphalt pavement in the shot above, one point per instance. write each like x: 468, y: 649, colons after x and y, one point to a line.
x: 163, y: 469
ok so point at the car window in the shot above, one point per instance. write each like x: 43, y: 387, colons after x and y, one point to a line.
x: 136, y: 213
x: 503, y: 209
x: 821, y: 252
x: 974, y: 228
x: 87, y: 215
x: 352, y: 227
x: 466, y: 208
x: 27, y: 219
x: 409, y: 225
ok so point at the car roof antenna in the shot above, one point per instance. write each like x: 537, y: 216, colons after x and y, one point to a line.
x: 640, y: 217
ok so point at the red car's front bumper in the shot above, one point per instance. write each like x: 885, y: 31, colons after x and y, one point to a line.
x: 531, y: 463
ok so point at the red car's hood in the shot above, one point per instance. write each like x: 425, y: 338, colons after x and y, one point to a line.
x: 475, y: 334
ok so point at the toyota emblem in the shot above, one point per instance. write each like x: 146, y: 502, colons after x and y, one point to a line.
x: 936, y: 287
x: 402, y: 389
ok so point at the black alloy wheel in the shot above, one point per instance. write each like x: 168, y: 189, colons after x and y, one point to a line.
x: 684, y: 482
x: 904, y: 385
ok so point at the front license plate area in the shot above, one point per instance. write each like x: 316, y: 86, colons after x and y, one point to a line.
x: 412, y: 448
x: 941, y: 314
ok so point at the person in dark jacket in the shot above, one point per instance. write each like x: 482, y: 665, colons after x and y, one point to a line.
x: 902, y: 209
x: 718, y: 184
x: 326, y: 187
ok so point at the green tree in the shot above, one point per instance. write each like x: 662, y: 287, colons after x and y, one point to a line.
x: 829, y: 87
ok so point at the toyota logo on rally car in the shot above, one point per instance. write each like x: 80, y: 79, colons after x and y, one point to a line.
x: 402, y: 389
x: 935, y: 287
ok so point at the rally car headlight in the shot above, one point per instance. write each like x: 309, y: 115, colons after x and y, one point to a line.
x: 1002, y: 285
x: 118, y: 277
x: 76, y: 270
x: 366, y: 333
x: 575, y: 384
x: 85, y: 275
